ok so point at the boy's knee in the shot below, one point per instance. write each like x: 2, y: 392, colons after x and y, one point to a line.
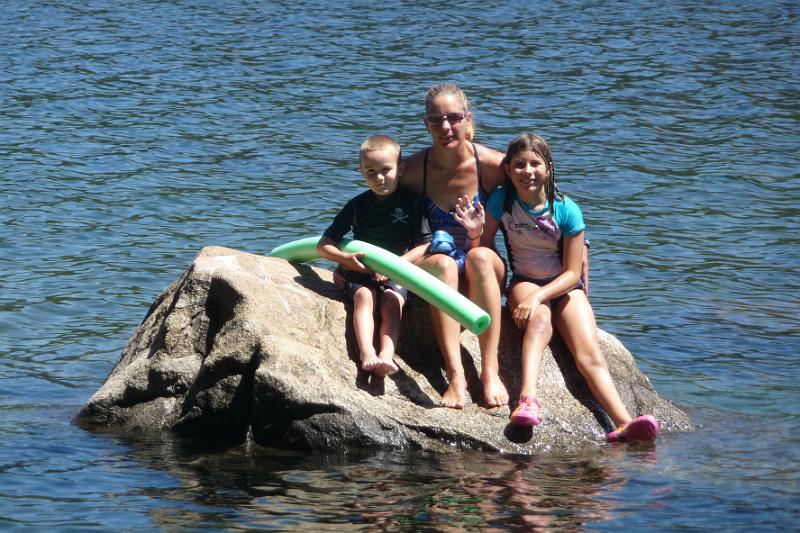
x: 391, y: 299
x: 363, y: 296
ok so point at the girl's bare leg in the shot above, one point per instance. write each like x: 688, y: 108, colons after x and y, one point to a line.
x: 538, y: 332
x: 537, y: 336
x: 447, y: 332
x: 364, y: 325
x: 389, y: 331
x: 485, y: 273
x: 574, y: 319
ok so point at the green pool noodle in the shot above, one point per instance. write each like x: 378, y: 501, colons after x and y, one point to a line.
x: 397, y: 269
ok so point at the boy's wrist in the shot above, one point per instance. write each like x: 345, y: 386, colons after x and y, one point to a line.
x: 478, y: 236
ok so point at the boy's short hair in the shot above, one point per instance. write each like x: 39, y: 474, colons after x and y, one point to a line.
x: 379, y: 142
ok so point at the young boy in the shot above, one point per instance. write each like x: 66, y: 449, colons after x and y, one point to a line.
x: 387, y: 217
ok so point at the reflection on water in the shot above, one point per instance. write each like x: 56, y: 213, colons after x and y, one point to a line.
x: 384, y: 491
x: 144, y: 481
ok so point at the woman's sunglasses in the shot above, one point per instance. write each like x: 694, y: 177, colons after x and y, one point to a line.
x: 452, y: 118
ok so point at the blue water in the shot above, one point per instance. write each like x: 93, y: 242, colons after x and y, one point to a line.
x: 135, y: 133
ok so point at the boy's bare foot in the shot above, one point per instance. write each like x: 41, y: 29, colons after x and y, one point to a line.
x: 456, y: 394
x: 370, y: 362
x: 386, y: 368
x: 494, y: 392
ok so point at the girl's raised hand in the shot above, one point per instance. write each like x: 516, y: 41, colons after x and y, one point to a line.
x: 470, y: 215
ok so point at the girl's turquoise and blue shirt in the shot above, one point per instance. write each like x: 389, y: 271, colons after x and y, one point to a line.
x: 533, y: 237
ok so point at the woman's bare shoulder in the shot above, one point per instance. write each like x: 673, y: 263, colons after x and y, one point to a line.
x: 491, y: 166
x: 412, y: 174
x: 489, y: 155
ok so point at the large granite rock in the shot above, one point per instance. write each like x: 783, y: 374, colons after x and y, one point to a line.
x: 249, y: 347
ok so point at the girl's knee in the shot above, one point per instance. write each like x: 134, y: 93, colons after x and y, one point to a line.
x: 591, y: 362
x: 540, y: 324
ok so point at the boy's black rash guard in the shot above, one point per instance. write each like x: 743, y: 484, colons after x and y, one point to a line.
x: 393, y: 223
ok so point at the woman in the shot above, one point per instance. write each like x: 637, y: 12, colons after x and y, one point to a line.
x: 452, y: 168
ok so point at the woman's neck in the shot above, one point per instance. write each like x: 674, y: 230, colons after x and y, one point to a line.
x: 451, y: 157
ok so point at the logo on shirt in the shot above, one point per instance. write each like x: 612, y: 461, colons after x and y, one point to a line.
x: 513, y: 225
x: 542, y: 226
x: 399, y: 216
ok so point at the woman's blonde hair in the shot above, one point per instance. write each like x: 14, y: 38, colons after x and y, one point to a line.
x: 454, y: 90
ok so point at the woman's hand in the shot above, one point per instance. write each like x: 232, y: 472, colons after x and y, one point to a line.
x: 525, y: 310
x: 470, y: 215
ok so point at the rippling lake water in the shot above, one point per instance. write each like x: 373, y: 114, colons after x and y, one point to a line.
x: 135, y: 133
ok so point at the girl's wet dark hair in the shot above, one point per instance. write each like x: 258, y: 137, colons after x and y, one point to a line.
x: 537, y: 145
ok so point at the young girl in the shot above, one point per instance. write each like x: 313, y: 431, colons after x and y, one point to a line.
x: 544, y: 238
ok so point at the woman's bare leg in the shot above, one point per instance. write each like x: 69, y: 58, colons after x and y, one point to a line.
x: 447, y: 331
x: 485, y: 273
